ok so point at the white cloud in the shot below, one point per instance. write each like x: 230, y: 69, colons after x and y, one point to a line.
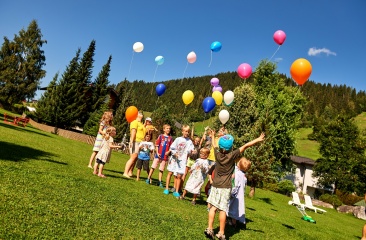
x: 313, y: 51
x: 278, y: 59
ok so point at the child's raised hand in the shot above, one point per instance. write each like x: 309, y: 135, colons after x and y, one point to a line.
x: 261, y: 137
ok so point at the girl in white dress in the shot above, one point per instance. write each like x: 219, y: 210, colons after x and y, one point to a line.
x: 104, y: 153
x: 198, y: 175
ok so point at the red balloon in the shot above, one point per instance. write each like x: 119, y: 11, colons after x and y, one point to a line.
x: 131, y: 113
x: 279, y: 37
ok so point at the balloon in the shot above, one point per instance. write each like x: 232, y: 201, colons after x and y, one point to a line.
x: 191, y: 57
x: 216, y: 46
x: 160, y: 89
x: 131, y: 113
x: 217, y: 88
x: 208, y: 104
x: 159, y: 60
x: 224, y: 116
x: 279, y: 37
x: 138, y: 47
x: 214, y: 82
x: 187, y: 97
x: 300, y: 70
x: 228, y: 97
x: 218, y: 97
x: 244, y: 70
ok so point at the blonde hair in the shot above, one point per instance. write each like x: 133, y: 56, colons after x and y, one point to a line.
x: 107, y: 118
x: 205, y: 150
x: 186, y: 127
x: 108, y: 132
x: 244, y: 164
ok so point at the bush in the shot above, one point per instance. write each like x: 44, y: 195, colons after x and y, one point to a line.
x: 332, y: 199
x: 347, y: 198
x: 271, y: 187
x: 286, y: 187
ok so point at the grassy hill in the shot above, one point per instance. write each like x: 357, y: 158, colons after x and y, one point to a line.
x: 47, y: 192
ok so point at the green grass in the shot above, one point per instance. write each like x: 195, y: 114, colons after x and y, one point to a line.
x: 304, y: 146
x: 47, y: 192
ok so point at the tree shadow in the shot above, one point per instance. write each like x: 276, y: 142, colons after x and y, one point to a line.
x: 266, y: 200
x: 21, y: 129
x: 288, y: 226
x: 252, y: 209
x: 17, y: 153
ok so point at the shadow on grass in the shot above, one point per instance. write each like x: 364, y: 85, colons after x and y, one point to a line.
x: 251, y: 209
x: 266, y: 200
x: 21, y: 129
x: 288, y: 226
x: 17, y: 153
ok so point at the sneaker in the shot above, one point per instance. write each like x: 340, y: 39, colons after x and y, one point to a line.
x: 209, y: 233
x: 161, y: 185
x: 147, y: 181
x: 166, y: 192
x: 220, y: 236
x: 176, y: 194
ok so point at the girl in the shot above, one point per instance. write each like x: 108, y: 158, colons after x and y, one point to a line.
x: 198, y: 175
x: 104, y: 153
x: 105, y: 122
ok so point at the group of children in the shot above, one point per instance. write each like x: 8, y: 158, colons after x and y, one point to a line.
x: 216, y: 159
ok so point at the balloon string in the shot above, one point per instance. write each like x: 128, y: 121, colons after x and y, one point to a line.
x: 156, y: 103
x: 210, y: 60
x: 184, y: 111
x: 184, y: 72
x: 128, y: 76
x: 152, y: 87
x: 275, y: 52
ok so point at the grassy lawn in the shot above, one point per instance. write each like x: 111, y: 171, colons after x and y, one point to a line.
x: 47, y: 192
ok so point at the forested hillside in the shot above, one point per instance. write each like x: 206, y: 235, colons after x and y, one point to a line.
x: 323, y: 99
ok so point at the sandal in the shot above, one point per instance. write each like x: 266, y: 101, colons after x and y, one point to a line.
x: 181, y: 198
x: 209, y: 233
x: 193, y: 202
x: 220, y: 236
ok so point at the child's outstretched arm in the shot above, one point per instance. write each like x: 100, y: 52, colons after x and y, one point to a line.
x: 251, y: 143
x: 111, y: 145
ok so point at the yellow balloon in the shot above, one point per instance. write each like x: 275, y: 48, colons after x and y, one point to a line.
x: 187, y: 97
x: 217, y: 95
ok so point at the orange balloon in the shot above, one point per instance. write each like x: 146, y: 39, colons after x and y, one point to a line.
x: 131, y: 113
x: 300, y: 70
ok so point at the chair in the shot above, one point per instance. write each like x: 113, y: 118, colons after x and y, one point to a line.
x: 295, y: 199
x: 309, y: 205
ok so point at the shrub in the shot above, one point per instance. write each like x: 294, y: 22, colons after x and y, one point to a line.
x: 271, y: 187
x: 332, y: 199
x: 286, y: 187
x: 347, y: 198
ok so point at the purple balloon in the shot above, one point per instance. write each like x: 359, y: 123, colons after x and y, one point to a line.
x: 214, y: 82
x: 217, y: 88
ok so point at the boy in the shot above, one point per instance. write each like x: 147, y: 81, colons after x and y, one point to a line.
x: 143, y: 158
x: 221, y: 185
x: 181, y: 147
x: 162, y: 151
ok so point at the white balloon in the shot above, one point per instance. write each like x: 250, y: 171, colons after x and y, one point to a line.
x: 224, y: 116
x: 228, y: 97
x: 138, y: 47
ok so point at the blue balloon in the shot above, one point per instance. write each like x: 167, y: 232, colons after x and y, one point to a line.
x: 216, y: 46
x: 208, y: 104
x: 159, y: 60
x: 160, y: 89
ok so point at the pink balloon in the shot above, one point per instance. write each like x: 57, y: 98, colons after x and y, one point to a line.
x: 191, y: 57
x: 279, y: 37
x: 214, y: 82
x: 217, y: 88
x: 244, y: 70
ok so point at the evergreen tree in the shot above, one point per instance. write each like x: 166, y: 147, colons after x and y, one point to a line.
x: 100, y: 87
x: 343, y: 155
x: 46, y: 105
x: 91, y: 126
x: 21, y: 63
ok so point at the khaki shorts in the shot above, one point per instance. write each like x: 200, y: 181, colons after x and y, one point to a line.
x: 219, y: 198
x: 134, y: 147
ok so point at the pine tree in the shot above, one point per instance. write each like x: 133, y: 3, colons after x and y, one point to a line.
x: 21, y: 63
x: 100, y: 87
x: 46, y: 105
x: 91, y: 126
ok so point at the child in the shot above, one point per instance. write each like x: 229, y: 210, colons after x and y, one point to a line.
x: 104, y: 153
x: 105, y: 122
x: 211, y: 175
x: 192, y: 157
x: 162, y: 151
x: 221, y: 185
x: 180, y: 149
x: 236, y: 203
x: 143, y: 158
x: 198, y: 175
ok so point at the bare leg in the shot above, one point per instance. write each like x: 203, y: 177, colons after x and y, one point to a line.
x: 100, y: 174
x: 364, y: 233
x: 138, y: 174
x: 95, y: 168
x: 178, y: 181
x: 211, y: 217
x: 129, y: 164
x: 222, y: 218
x: 150, y: 173
x: 161, y: 175
x: 194, y: 197
x: 168, y: 177
x: 92, y: 158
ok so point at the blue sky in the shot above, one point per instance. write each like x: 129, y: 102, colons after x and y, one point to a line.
x: 331, y: 34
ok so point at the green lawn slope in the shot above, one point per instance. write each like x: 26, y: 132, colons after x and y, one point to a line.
x: 47, y: 192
